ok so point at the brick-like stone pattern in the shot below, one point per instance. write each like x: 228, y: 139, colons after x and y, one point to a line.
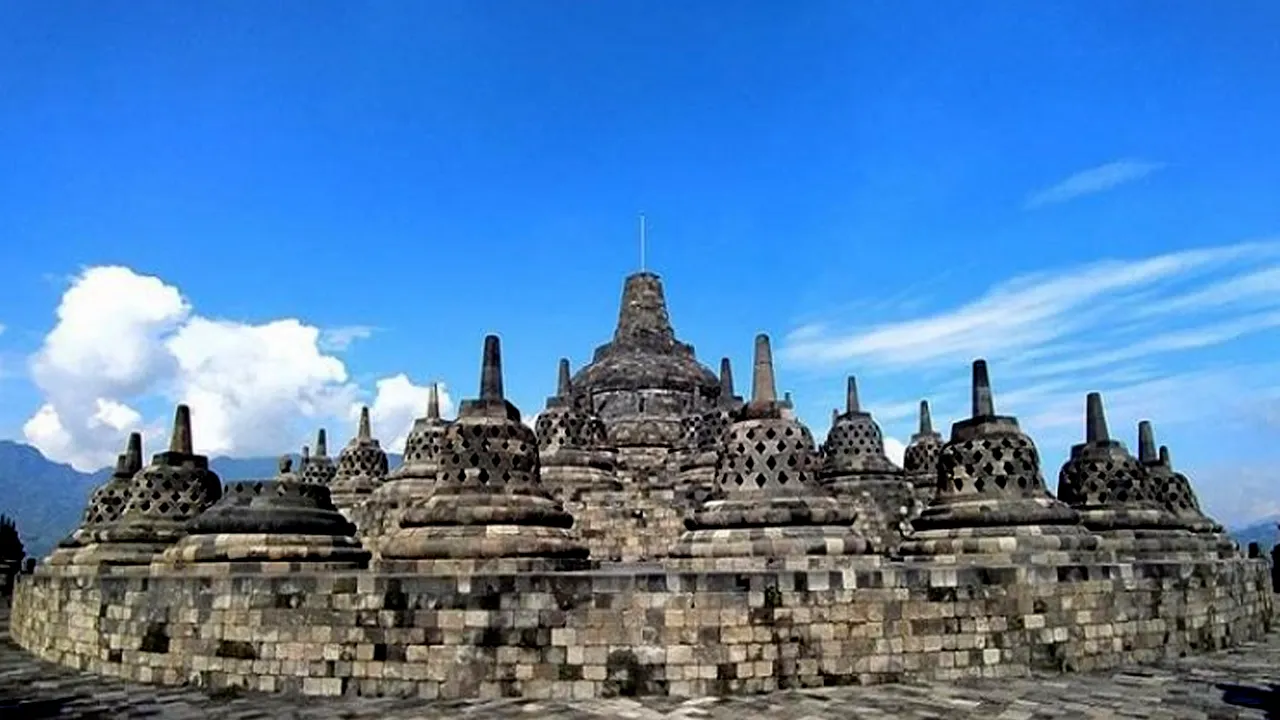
x: 636, y: 524
x: 619, y: 632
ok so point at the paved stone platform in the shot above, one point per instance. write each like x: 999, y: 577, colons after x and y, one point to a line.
x: 1243, y: 682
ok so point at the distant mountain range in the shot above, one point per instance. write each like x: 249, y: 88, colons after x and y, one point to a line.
x: 47, y: 499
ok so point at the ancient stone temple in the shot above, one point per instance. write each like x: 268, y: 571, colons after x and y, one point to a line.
x: 164, y: 496
x: 105, y: 503
x: 362, y: 468
x: 704, y: 438
x: 416, y: 475
x: 644, y: 381
x: 991, y: 498
x: 486, y: 585
x: 573, y: 445
x: 767, y: 501
x: 1173, y: 490
x: 319, y: 468
x: 488, y: 500
x: 269, y: 523
x: 1115, y: 497
x: 856, y: 470
x: 920, y: 459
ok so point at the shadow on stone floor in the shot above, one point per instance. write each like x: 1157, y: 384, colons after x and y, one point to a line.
x: 1256, y: 698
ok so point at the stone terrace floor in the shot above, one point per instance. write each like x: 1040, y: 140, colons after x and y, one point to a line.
x: 1240, y: 683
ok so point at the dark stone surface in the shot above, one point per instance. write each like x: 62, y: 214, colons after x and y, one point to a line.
x: 272, y: 507
x: 362, y: 464
x: 107, y: 501
x: 318, y: 468
x: 644, y: 380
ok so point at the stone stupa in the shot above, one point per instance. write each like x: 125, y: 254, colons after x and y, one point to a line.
x: 991, y: 498
x: 106, y: 503
x: 488, y: 501
x: 920, y: 459
x: 704, y: 440
x: 573, y: 444
x: 1173, y: 490
x: 361, y: 469
x: 163, y: 497
x: 319, y: 468
x: 269, y: 525
x: 1115, y: 497
x: 767, y: 502
x: 856, y: 471
x: 416, y: 476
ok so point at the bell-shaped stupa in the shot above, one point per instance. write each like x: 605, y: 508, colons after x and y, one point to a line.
x: 163, y: 497
x: 573, y: 444
x: 260, y: 525
x: 767, y: 502
x: 319, y: 468
x: 415, y: 477
x: 644, y: 381
x: 1115, y: 497
x: 362, y: 468
x: 920, y: 459
x: 704, y: 439
x: 1173, y: 490
x: 488, y: 500
x: 856, y: 470
x: 108, y: 500
x: 991, y: 498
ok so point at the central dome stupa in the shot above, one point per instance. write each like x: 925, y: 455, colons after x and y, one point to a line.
x: 644, y: 381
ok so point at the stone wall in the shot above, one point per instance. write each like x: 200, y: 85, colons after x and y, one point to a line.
x: 620, y: 631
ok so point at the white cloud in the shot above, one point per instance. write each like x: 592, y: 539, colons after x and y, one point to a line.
x: 396, y: 404
x: 1094, y: 180
x: 124, y: 340
x: 340, y: 338
x: 894, y: 449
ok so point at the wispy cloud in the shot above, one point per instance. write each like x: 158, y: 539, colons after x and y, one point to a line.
x: 1152, y: 334
x: 1094, y: 180
x: 340, y: 338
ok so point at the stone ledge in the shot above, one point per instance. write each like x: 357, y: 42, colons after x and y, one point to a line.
x: 622, y: 630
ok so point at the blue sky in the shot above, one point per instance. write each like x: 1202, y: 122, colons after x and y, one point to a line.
x: 301, y: 201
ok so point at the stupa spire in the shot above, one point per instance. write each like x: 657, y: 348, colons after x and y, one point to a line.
x: 851, y: 396
x: 433, y: 402
x: 363, y: 431
x: 726, y: 379
x: 131, y: 461
x: 491, y: 369
x: 643, y: 317
x: 764, y: 390
x: 1165, y: 460
x: 305, y: 457
x: 983, y: 403
x: 564, y: 383
x: 322, y: 444
x: 1146, y: 443
x: 926, y: 418
x: 180, y: 441
x: 1095, y: 420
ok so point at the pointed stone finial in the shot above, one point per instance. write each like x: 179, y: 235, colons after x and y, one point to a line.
x: 851, y: 396
x: 763, y: 388
x: 643, y: 317
x: 983, y: 404
x: 322, y: 444
x: 306, y: 457
x: 433, y: 402
x: 1095, y: 419
x: 285, y: 466
x: 180, y: 441
x: 564, y: 383
x: 926, y: 418
x: 786, y: 396
x: 726, y: 379
x: 835, y: 415
x: 364, y: 432
x: 1146, y: 442
x: 131, y: 461
x: 491, y: 369
x: 1165, y: 460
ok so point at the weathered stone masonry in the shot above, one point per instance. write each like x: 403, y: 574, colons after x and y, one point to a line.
x: 620, y: 633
